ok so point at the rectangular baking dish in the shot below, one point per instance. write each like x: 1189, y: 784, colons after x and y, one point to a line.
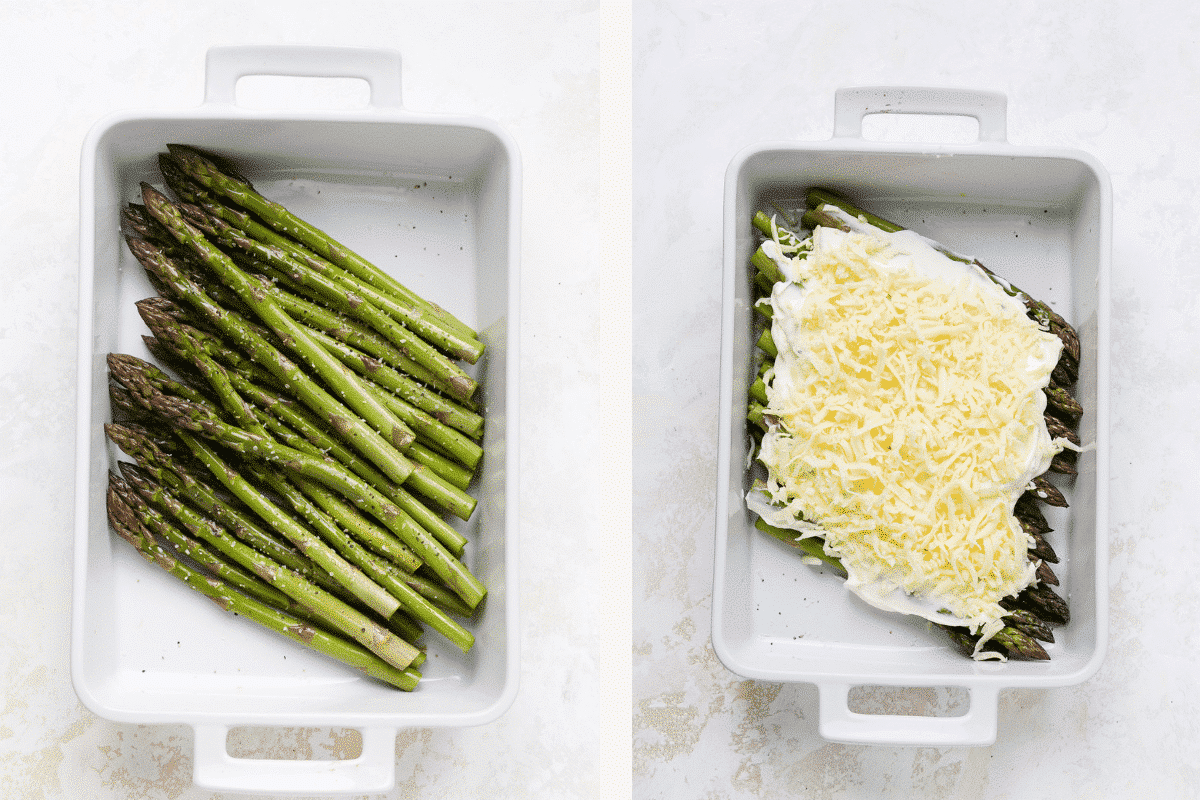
x: 1039, y: 217
x: 434, y: 199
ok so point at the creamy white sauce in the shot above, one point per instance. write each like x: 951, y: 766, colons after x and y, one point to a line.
x: 908, y: 251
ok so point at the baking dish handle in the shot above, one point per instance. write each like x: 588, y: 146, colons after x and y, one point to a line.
x: 839, y: 724
x: 372, y: 772
x: 225, y: 66
x: 851, y: 105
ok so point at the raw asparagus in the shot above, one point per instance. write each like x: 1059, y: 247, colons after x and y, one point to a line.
x: 124, y: 521
x: 210, y: 176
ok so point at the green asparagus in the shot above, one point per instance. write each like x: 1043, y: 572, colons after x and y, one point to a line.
x: 312, y: 419
x: 209, y: 175
x: 125, y: 522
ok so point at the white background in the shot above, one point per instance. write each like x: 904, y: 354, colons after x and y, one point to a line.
x: 1117, y: 80
x: 533, y: 67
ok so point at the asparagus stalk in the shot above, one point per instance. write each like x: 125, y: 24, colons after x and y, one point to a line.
x: 346, y: 574
x: 1042, y: 550
x: 152, y: 502
x: 1031, y: 625
x: 378, y: 539
x: 239, y: 230
x: 1047, y: 492
x: 147, y: 483
x: 287, y: 329
x: 356, y: 432
x: 126, y: 523
x: 180, y: 344
x: 444, y: 425
x: 311, y: 438
x: 188, y: 345
x: 305, y: 432
x: 168, y: 472
x: 208, y: 175
x: 197, y: 552
x: 1042, y: 601
x: 1045, y: 574
x: 188, y: 416
x: 382, y: 573
x: 1010, y: 641
x: 319, y: 319
x: 154, y: 469
x: 321, y: 288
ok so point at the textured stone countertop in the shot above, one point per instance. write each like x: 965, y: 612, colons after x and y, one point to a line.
x: 1115, y: 80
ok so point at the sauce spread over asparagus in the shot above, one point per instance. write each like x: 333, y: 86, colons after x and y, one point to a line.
x: 907, y: 399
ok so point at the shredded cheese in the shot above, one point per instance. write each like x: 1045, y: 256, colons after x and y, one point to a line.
x: 908, y: 394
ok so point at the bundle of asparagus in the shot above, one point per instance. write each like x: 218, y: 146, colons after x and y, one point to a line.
x: 1032, y: 611
x: 305, y: 432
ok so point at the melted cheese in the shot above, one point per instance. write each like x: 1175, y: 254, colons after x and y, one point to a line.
x: 908, y: 394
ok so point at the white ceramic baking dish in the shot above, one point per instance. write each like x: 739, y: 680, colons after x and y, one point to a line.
x: 433, y: 198
x: 1041, y: 218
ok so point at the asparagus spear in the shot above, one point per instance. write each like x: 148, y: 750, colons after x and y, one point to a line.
x: 319, y: 287
x: 197, y: 552
x: 382, y: 573
x: 1020, y: 644
x: 1060, y: 403
x: 148, y: 502
x: 313, y: 439
x: 126, y: 523
x: 1029, y: 513
x: 1042, y: 550
x: 166, y: 323
x: 305, y: 432
x: 208, y: 175
x: 240, y: 230
x: 294, y: 335
x: 1045, y: 574
x: 356, y: 432
x: 189, y: 416
x: 319, y: 319
x: 193, y: 347
x: 168, y: 472
x: 1042, y: 601
x: 260, y: 444
x: 1031, y: 625
x: 423, y: 421
x: 303, y: 538
x: 155, y: 469
x: 1047, y: 492
x: 147, y: 482
x: 378, y: 539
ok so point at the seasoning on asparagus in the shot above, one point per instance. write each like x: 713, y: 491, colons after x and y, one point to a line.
x: 313, y: 429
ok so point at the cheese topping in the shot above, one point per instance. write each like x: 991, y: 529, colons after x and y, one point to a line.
x: 908, y: 399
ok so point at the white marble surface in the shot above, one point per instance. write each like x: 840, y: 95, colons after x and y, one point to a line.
x: 1118, y: 80
x: 535, y: 68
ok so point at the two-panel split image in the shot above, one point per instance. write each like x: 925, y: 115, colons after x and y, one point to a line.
x: 656, y: 400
